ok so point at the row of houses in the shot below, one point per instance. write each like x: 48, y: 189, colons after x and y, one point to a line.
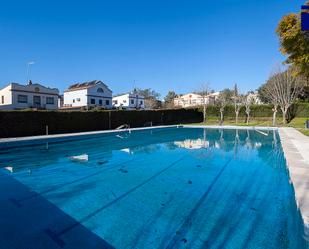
x: 88, y: 94
x: 193, y: 99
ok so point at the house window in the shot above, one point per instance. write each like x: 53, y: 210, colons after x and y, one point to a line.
x: 36, y: 89
x: 92, y: 101
x: 115, y: 102
x: 100, y: 102
x: 50, y: 100
x: 37, y: 100
x: 78, y: 99
x: 73, y: 100
x: 100, y: 90
x: 2, y: 99
x: 22, y: 98
x: 141, y: 102
x: 106, y: 102
x: 132, y: 101
x: 124, y: 101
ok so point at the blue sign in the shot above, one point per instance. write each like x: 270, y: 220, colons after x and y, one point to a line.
x: 305, y: 18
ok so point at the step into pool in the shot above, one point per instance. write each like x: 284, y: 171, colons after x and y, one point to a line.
x: 175, y: 187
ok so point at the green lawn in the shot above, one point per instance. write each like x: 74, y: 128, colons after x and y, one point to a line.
x: 298, y: 123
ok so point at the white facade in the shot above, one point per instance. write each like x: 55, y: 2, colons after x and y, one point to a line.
x: 88, y: 94
x: 16, y: 96
x: 193, y: 99
x: 129, y: 101
x: 254, y: 98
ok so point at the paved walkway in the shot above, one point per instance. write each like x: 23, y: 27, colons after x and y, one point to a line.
x: 296, y: 149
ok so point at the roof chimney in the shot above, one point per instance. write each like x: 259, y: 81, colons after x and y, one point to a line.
x: 30, y: 82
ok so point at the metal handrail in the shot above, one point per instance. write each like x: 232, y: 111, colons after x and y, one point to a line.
x: 124, y: 126
x: 148, y: 124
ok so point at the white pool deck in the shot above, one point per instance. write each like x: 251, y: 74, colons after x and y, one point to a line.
x: 296, y: 150
x: 295, y: 146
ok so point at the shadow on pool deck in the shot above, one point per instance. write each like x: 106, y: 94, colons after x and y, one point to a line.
x: 28, y: 226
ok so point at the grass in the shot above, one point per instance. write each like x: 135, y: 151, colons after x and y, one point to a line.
x: 298, y: 123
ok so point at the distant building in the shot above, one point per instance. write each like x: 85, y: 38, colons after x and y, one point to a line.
x: 129, y: 101
x: 88, y: 94
x: 193, y: 99
x: 253, y: 97
x: 16, y: 96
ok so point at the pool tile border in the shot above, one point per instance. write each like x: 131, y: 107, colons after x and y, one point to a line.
x: 296, y: 150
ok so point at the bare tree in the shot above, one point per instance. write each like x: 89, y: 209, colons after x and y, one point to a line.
x: 224, y: 99
x: 237, y: 102
x: 282, y: 89
x: 248, y: 102
x: 204, y: 91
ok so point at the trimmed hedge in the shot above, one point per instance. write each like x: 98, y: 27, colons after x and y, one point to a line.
x: 30, y: 123
x: 300, y: 109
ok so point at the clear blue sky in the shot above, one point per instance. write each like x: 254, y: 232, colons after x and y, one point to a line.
x: 164, y: 45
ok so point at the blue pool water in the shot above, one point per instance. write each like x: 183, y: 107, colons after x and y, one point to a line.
x: 156, y: 188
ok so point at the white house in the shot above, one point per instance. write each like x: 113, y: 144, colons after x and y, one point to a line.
x: 129, y: 101
x: 193, y: 99
x: 254, y: 98
x: 88, y: 94
x: 16, y: 96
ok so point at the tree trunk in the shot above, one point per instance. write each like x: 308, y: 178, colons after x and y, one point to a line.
x: 274, y: 115
x: 248, y: 117
x: 284, y: 111
x: 221, y: 117
x: 204, y: 113
x: 236, y: 116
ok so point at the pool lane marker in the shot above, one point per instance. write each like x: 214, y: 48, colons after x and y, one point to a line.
x: 55, y: 236
x: 18, y: 203
x: 182, y: 231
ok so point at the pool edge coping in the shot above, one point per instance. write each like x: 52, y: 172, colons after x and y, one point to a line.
x: 75, y: 134
x: 298, y: 165
x: 89, y: 133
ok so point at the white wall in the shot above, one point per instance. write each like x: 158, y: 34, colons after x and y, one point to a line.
x: 131, y: 101
x: 122, y: 100
x: 6, y: 93
x: 76, y: 98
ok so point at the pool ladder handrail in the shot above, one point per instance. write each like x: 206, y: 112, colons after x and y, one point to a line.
x: 123, y: 127
x: 148, y: 124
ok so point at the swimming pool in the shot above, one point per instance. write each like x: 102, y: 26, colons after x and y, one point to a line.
x: 175, y: 187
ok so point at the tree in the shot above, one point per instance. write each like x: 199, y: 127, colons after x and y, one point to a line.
x: 237, y: 102
x: 247, y: 102
x: 267, y: 96
x: 263, y: 96
x: 224, y: 99
x: 282, y: 89
x: 169, y: 99
x: 151, y: 97
x: 148, y: 92
x: 204, y: 92
x: 153, y: 103
x: 294, y: 43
